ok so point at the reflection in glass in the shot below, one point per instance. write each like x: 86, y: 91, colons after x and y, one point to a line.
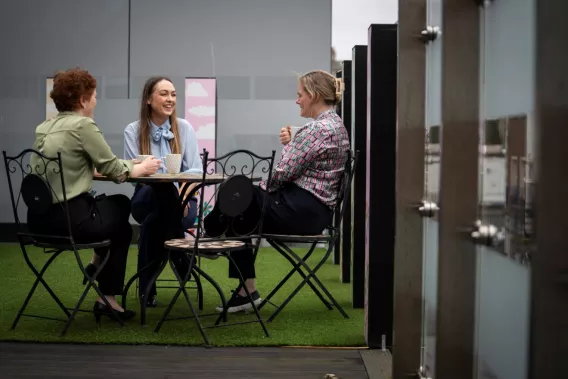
x: 430, y: 251
x: 503, y: 275
x: 507, y: 186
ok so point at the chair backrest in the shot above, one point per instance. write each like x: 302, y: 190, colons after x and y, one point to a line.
x: 344, y: 187
x: 240, y: 169
x: 30, y: 188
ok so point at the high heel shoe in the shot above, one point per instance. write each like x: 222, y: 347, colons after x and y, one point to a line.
x: 151, y: 302
x: 90, y: 269
x: 101, y: 309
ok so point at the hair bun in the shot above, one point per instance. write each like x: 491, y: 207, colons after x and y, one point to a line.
x: 337, y: 97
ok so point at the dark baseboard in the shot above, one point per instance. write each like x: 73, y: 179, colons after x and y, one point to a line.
x: 9, y: 230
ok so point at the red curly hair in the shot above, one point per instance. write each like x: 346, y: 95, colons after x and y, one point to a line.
x: 69, y: 86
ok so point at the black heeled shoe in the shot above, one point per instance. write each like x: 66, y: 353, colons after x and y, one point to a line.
x: 151, y: 302
x: 101, y: 309
x: 90, y: 269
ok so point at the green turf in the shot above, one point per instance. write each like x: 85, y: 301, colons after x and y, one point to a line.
x: 305, y: 321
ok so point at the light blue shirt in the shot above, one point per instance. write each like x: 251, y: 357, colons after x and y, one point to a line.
x: 160, y: 146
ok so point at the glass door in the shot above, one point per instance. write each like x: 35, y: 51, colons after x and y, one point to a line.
x: 430, y: 205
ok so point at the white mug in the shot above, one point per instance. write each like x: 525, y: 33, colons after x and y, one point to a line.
x: 141, y: 158
x: 173, y: 163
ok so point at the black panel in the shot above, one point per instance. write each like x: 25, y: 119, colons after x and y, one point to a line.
x: 380, y: 194
x: 337, y: 222
x: 345, y: 247
x: 358, y: 142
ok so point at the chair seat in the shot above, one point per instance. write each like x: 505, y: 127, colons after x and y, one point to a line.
x: 68, y: 246
x: 297, y: 238
x: 209, y: 245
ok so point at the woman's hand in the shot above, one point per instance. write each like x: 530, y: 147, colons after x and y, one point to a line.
x: 148, y: 167
x: 285, y: 135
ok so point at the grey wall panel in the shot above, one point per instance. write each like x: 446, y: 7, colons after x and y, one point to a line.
x: 42, y: 37
x: 246, y: 129
x: 235, y: 40
x: 230, y: 38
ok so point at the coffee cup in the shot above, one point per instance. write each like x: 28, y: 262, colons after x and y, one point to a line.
x: 173, y: 163
x: 141, y: 158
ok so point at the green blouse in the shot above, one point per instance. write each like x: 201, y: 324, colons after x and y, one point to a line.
x: 83, y: 148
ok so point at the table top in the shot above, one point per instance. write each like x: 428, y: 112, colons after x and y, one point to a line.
x: 170, y: 178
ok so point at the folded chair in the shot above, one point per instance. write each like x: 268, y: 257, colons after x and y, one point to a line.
x: 280, y: 243
x: 234, y: 195
x: 37, y: 195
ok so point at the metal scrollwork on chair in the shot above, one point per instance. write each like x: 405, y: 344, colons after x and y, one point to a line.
x: 40, y: 184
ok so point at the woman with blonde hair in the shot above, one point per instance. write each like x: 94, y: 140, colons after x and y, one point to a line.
x: 305, y: 181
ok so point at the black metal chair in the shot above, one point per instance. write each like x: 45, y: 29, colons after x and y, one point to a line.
x: 234, y: 195
x: 38, y: 196
x: 158, y: 266
x: 280, y: 243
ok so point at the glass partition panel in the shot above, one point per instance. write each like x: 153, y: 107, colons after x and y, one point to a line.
x: 504, y: 232
x: 431, y: 186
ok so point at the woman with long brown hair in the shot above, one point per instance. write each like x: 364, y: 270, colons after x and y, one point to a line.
x: 155, y: 207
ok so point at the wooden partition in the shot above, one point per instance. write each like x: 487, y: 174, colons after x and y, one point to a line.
x: 409, y: 189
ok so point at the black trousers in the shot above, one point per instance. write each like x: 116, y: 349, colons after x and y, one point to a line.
x: 157, y: 208
x: 290, y: 210
x: 94, y: 220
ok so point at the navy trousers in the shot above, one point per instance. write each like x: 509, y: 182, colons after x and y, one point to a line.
x: 157, y: 208
x: 290, y: 210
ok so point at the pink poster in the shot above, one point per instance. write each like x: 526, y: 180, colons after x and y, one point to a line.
x: 201, y: 113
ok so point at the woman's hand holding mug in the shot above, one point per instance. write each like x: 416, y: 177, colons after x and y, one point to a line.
x: 146, y: 166
x: 285, y: 135
x: 151, y: 165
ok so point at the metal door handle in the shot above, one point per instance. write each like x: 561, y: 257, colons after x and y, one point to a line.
x: 486, y: 234
x: 428, y: 208
x: 430, y: 33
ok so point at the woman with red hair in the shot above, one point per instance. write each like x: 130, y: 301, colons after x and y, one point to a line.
x: 75, y: 134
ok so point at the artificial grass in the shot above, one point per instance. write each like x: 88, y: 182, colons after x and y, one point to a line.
x: 304, y: 322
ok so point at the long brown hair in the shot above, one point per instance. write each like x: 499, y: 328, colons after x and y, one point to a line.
x: 146, y: 114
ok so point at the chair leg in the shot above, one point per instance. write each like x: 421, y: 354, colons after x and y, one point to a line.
x: 90, y: 284
x: 182, y: 283
x: 311, y: 275
x: 242, y: 284
x: 133, y: 279
x: 215, y: 285
x: 223, y: 315
x: 199, y: 289
x: 143, y: 299
x: 295, y: 268
x: 39, y: 279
